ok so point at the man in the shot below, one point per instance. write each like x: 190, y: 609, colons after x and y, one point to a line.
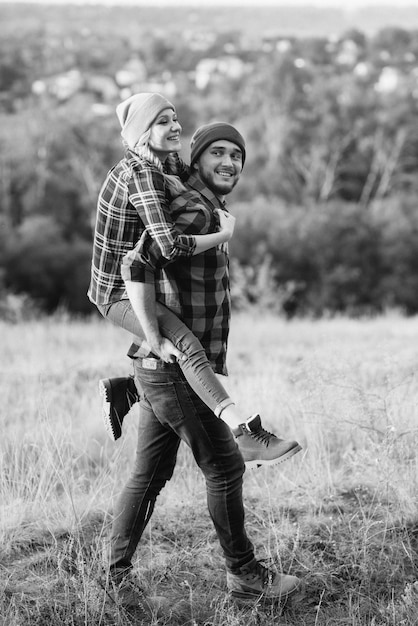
x: 169, y: 409
x: 202, y: 314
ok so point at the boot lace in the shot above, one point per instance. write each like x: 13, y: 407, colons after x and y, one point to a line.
x: 266, y: 575
x: 263, y: 436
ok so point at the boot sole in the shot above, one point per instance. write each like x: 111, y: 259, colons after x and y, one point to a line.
x: 105, y: 390
x: 247, y: 598
x: 284, y: 457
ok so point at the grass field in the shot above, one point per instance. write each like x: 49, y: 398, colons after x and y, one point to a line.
x: 342, y: 515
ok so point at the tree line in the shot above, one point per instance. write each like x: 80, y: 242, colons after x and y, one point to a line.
x: 326, y: 208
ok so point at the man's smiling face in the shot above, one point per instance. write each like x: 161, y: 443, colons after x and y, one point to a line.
x: 220, y: 166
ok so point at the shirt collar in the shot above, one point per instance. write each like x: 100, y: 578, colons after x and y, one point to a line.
x: 195, y: 182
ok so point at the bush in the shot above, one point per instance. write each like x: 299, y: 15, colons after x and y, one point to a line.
x: 52, y: 271
x: 298, y: 260
x: 337, y: 257
x: 398, y: 223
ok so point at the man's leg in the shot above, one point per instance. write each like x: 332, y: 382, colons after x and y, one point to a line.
x: 176, y: 405
x: 155, y: 460
x: 178, y: 408
x: 154, y: 464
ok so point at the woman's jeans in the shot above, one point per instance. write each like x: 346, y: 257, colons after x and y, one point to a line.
x: 171, y: 412
x: 195, y: 367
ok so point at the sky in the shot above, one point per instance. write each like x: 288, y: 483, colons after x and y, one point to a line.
x: 338, y: 4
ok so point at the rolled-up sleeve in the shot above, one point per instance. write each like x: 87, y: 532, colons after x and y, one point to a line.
x: 135, y: 270
x: 147, y: 194
x: 138, y: 265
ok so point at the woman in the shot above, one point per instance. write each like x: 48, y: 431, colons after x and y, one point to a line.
x: 133, y: 210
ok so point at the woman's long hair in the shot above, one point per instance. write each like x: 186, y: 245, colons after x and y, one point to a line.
x: 174, y: 184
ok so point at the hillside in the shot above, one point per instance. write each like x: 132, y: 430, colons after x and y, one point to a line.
x: 342, y: 515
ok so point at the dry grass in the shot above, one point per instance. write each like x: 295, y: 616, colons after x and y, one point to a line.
x: 342, y: 515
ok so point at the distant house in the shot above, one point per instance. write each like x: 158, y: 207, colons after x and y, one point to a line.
x: 208, y: 70
x: 133, y: 72
x: 388, y: 81
x: 103, y: 87
x: 362, y: 70
x: 164, y: 85
x: 348, y: 53
x: 62, y: 86
x: 283, y: 45
x: 101, y: 109
x: 199, y: 41
x: 275, y: 41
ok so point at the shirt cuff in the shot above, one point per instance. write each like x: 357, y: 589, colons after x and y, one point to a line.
x: 138, y: 273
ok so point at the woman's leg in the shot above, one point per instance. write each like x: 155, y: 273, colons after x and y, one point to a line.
x: 195, y: 367
x: 256, y: 444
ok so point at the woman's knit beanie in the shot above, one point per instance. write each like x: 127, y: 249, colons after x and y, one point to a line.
x: 207, y: 134
x: 137, y: 113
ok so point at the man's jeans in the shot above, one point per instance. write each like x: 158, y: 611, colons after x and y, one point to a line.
x: 170, y: 412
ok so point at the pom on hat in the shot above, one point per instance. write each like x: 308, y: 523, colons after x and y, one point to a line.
x: 207, y: 134
x: 137, y: 113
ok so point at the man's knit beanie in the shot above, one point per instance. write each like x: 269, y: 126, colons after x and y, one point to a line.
x: 137, y: 113
x: 207, y: 134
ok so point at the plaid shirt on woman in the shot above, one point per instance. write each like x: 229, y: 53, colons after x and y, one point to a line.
x: 132, y: 202
x: 195, y: 288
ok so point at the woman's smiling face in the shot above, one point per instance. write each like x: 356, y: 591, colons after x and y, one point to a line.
x: 165, y: 134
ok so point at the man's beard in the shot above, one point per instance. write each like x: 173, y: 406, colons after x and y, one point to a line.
x: 218, y: 188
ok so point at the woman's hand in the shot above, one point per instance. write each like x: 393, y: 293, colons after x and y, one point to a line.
x: 167, y: 351
x: 226, y: 223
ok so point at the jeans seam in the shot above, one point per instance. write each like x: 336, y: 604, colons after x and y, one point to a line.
x: 148, y: 517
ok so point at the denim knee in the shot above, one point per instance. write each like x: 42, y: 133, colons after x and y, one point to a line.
x: 223, y: 472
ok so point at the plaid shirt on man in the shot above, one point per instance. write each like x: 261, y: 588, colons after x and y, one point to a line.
x: 132, y: 202
x: 195, y: 288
